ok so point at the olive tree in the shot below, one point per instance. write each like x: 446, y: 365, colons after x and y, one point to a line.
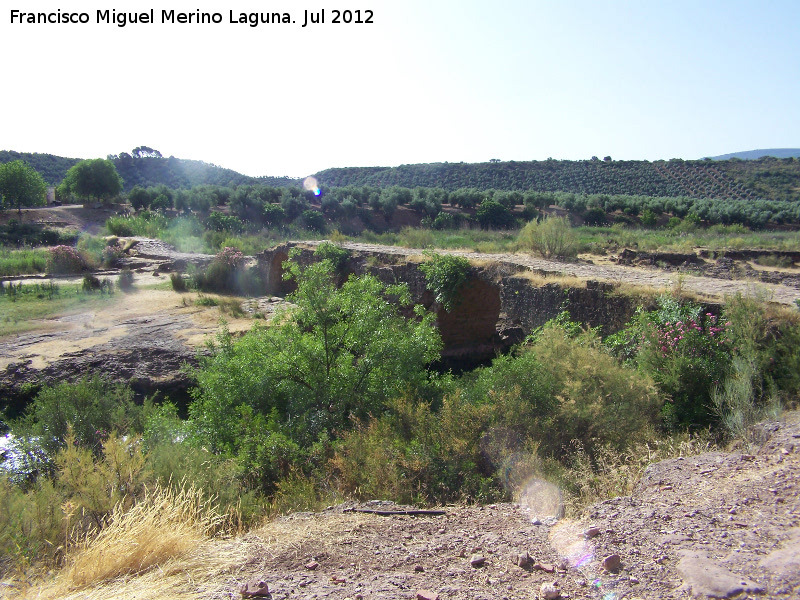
x: 93, y: 178
x: 21, y: 185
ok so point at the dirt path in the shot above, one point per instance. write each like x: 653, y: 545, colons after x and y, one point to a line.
x: 706, y: 286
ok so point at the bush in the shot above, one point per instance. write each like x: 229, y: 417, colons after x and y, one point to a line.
x: 595, y: 216
x: 563, y: 388
x: 125, y: 281
x: 223, y: 274
x: 337, y: 255
x: 444, y: 220
x: 419, y: 456
x: 274, y: 214
x: 178, y: 282
x: 551, y: 237
x: 649, y: 218
x: 218, y: 221
x: 685, y: 352
x: 91, y: 283
x: 493, y: 215
x: 445, y: 274
x: 314, y: 220
x: 268, y: 396
x: 112, y: 254
x: 89, y: 410
x: 64, y: 260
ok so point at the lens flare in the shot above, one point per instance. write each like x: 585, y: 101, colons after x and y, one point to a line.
x: 310, y: 184
x: 566, y: 539
x: 543, y: 498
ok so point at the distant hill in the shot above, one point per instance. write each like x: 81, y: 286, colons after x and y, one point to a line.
x: 146, y: 171
x: 767, y: 178
x: 51, y: 168
x: 737, y: 180
x: 756, y: 154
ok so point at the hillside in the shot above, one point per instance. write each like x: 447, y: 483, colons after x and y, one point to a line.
x: 767, y: 178
x: 756, y: 154
x: 173, y: 172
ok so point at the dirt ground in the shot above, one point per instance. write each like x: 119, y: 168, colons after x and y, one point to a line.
x: 167, y: 314
x: 719, y: 525
x: 73, y: 216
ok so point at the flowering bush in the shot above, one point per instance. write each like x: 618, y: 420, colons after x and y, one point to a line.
x: 112, y: 254
x: 63, y: 260
x: 223, y: 274
x: 686, y: 353
x: 230, y: 257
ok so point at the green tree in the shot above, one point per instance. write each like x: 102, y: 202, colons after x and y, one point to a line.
x: 341, y: 354
x: 21, y: 185
x: 93, y: 178
x: 493, y: 215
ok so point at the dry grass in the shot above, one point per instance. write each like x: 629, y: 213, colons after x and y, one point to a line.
x: 301, y: 535
x: 540, y: 278
x: 160, y: 548
x: 612, y: 473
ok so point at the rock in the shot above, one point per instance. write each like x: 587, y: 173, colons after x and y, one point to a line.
x: 477, y: 560
x: 549, y: 591
x: 785, y: 561
x: 591, y: 532
x: 612, y: 563
x: 706, y: 578
x: 255, y: 588
x: 312, y: 565
x: 545, y: 567
x: 419, y: 569
x: 523, y: 559
x: 427, y: 595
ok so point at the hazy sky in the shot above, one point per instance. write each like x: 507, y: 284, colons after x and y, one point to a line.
x: 427, y: 81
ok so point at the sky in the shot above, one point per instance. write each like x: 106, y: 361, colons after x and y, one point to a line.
x: 425, y: 81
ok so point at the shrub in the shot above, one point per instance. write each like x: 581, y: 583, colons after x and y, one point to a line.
x: 444, y: 220
x: 223, y: 273
x: 274, y: 214
x: 493, y: 215
x: 595, y: 216
x: 551, y: 237
x: 685, y: 352
x: 89, y: 408
x: 64, y: 260
x: 563, y: 388
x: 113, y: 253
x: 161, y: 203
x: 218, y: 221
x: 340, y: 355
x: 649, y: 218
x: 178, y: 282
x: 445, y: 275
x: 416, y: 455
x: 314, y: 220
x: 125, y: 280
x: 770, y: 340
x: 335, y: 254
x: 92, y: 283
